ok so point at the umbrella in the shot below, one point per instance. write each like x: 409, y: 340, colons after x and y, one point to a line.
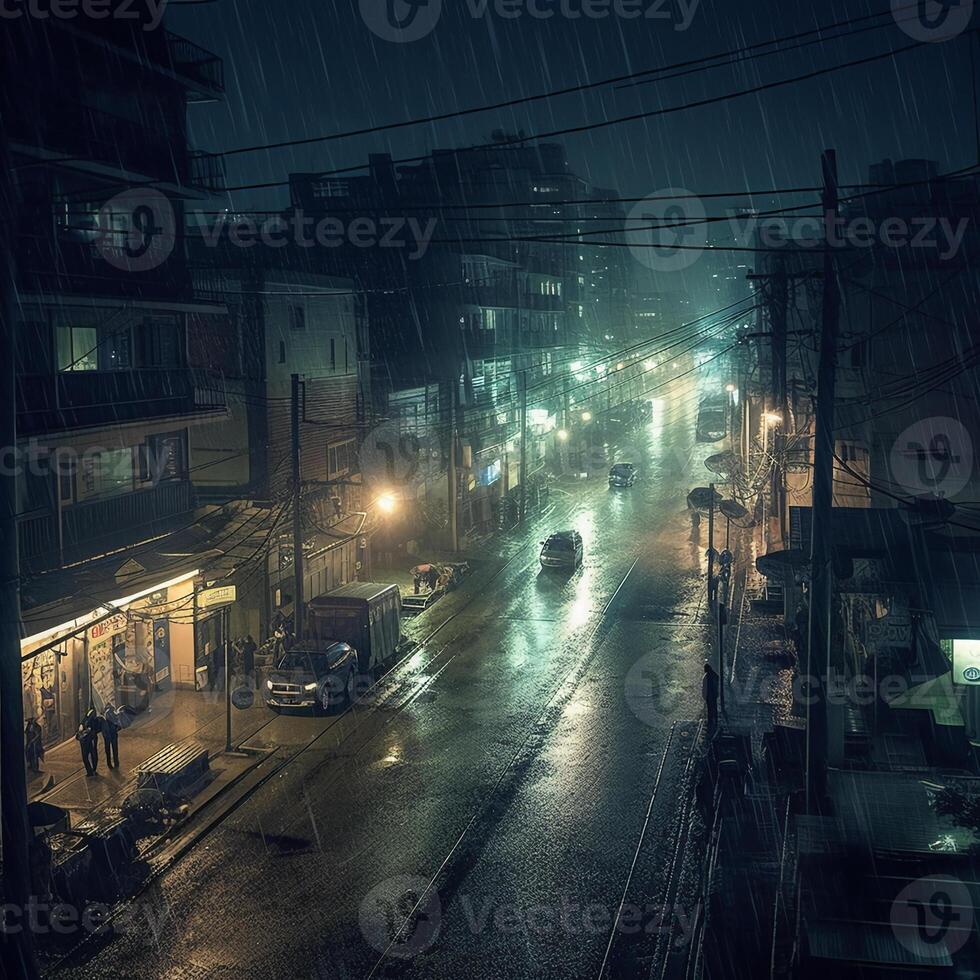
x: 423, y: 569
x: 777, y: 563
x: 700, y: 498
x: 723, y: 463
x: 43, y: 814
x: 733, y: 510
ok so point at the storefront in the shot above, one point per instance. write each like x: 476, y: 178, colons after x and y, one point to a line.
x: 125, y: 653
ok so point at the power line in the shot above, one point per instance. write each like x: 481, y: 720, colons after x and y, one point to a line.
x: 738, y: 53
x: 632, y: 117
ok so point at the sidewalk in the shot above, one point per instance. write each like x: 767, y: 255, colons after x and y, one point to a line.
x: 178, y: 715
x: 173, y: 717
x: 742, y: 895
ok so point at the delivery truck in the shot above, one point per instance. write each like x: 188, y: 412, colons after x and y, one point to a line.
x: 351, y: 632
x: 366, y: 615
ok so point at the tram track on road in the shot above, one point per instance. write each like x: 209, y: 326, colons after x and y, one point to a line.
x: 168, y: 851
x: 453, y: 867
x: 643, y: 933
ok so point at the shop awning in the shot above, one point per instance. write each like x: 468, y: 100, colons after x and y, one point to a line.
x: 67, y: 600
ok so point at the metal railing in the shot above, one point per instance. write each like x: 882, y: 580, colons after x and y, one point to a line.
x: 206, y: 171
x: 196, y: 63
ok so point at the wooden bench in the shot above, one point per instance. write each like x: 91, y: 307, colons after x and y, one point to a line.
x: 174, y: 770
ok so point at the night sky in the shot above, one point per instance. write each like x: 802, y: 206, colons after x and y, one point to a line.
x: 296, y: 68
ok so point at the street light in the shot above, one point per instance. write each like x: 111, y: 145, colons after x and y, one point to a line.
x: 772, y: 418
x: 586, y: 416
x: 731, y: 389
x: 387, y: 503
x: 563, y: 435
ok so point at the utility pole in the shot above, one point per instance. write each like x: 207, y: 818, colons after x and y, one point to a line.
x: 779, y: 309
x: 453, y: 475
x: 298, y: 609
x: 522, y: 381
x: 17, y: 944
x: 824, y: 743
x: 226, y: 613
x: 711, y: 546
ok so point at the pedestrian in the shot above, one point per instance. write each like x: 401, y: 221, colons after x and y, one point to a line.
x: 111, y: 724
x: 88, y: 740
x: 709, y: 691
x: 416, y: 580
x: 34, y: 744
x: 211, y: 662
x: 249, y: 646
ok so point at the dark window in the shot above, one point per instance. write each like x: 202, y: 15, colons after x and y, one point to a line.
x: 859, y: 354
x: 161, y: 458
x: 282, y: 351
x: 159, y: 343
x: 297, y: 318
x: 333, y: 354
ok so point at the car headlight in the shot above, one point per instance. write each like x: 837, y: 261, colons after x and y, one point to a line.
x: 268, y: 685
x: 310, y: 687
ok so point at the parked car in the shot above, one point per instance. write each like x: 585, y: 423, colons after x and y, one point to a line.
x: 622, y: 475
x: 562, y: 550
x: 310, y: 677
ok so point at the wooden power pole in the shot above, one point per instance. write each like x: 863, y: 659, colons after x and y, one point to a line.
x: 16, y: 943
x: 824, y: 743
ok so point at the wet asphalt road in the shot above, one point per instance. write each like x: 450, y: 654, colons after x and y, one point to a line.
x: 500, y: 779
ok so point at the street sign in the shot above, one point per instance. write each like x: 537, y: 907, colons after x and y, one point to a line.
x: 966, y: 662
x: 889, y: 632
x: 243, y: 697
x: 219, y: 596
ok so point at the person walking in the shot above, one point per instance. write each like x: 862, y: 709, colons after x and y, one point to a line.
x: 111, y: 724
x: 88, y: 740
x: 34, y: 744
x: 249, y: 646
x: 709, y: 691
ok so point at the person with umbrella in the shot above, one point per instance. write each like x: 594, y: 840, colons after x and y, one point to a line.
x: 34, y: 744
x: 709, y: 691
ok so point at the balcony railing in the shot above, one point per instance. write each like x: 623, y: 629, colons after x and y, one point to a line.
x: 88, y: 399
x: 84, y: 526
x: 207, y: 171
x: 197, y: 64
x: 93, y: 135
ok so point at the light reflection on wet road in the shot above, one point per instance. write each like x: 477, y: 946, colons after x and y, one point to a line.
x: 510, y: 762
